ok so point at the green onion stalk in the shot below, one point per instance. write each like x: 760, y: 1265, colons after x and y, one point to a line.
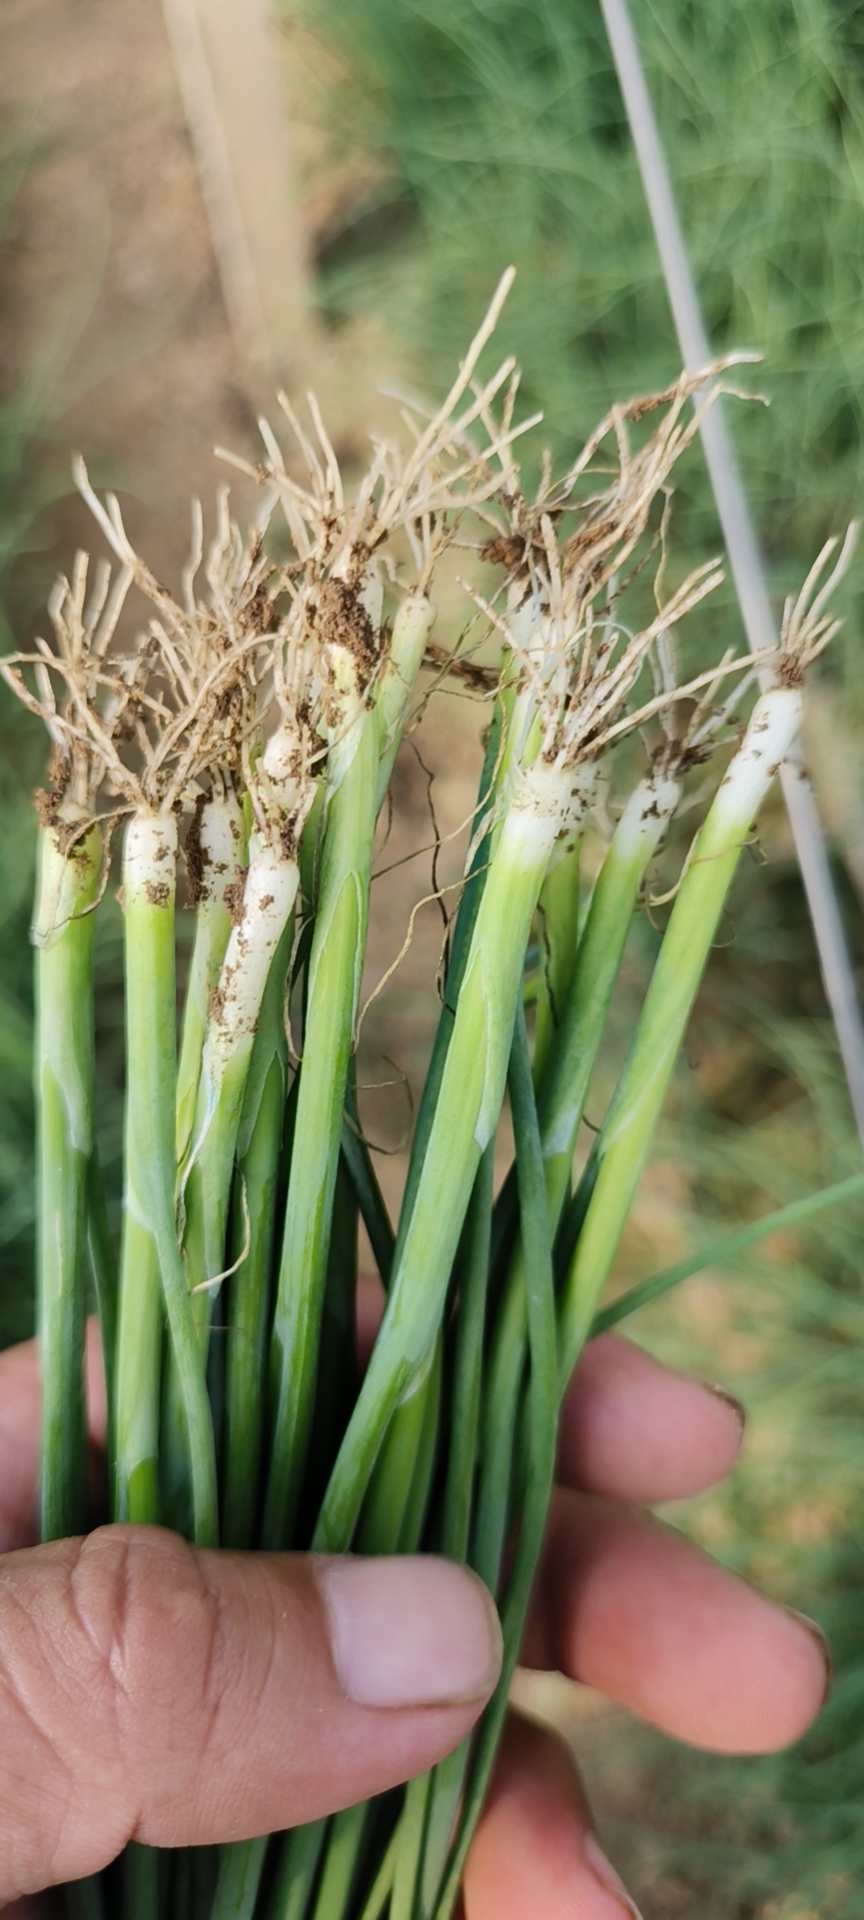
x: 558, y: 932
x: 152, y: 1276
x: 406, y: 1358
x: 215, y: 853
x: 441, y: 1869
x: 271, y: 712
x: 269, y: 892
x: 364, y: 735
x: 408, y: 642
x: 69, y: 872
x: 466, y: 1118
x: 216, y: 857
x: 408, y: 1455
x: 625, y: 1138
x: 564, y: 1087
x: 482, y: 1532
x: 542, y: 800
x: 256, y: 1182
x: 614, y: 1168
x: 404, y: 1362
x: 769, y: 738
x: 333, y: 989
x: 365, y: 724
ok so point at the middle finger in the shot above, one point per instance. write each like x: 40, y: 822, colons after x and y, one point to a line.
x: 633, y: 1609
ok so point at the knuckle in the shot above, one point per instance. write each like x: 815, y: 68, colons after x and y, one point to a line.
x: 156, y: 1624
x: 57, y: 1729
x: 159, y: 1623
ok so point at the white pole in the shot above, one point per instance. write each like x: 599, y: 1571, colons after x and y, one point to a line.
x: 738, y: 532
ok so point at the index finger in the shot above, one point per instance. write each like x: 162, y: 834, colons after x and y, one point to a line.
x: 20, y: 1410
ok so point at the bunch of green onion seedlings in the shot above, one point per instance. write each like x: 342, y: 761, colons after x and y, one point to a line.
x: 246, y: 739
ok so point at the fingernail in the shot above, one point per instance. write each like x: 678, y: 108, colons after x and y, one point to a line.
x: 410, y: 1631
x: 604, y: 1871
x: 731, y: 1400
x: 823, y: 1646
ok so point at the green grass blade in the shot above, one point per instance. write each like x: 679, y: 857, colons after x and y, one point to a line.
x: 717, y: 1252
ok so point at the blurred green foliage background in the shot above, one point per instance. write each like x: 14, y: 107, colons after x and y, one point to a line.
x: 497, y: 134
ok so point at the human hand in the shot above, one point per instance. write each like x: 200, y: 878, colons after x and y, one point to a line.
x: 180, y: 1698
x: 629, y: 1607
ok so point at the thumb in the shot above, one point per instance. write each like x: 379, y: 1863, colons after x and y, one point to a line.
x: 155, y: 1692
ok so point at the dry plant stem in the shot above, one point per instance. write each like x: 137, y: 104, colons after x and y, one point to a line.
x: 63, y: 934
x: 624, y: 1141
x: 743, y: 548
x: 334, y: 972
x: 149, y: 870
